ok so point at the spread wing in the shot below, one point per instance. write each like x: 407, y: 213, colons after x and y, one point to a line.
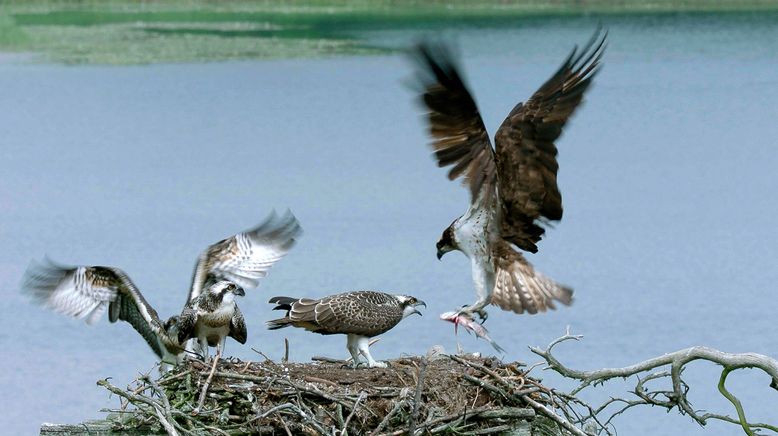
x: 519, y: 288
x: 365, y: 313
x: 246, y: 257
x: 238, y: 329
x: 186, y: 323
x: 526, y: 153
x: 459, y: 135
x: 85, y: 292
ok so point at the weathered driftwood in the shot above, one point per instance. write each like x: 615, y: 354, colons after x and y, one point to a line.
x: 673, y: 398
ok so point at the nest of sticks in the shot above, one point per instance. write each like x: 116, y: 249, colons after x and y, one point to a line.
x: 414, y: 395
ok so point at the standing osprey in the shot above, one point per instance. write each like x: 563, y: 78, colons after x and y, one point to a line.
x: 85, y: 292
x: 513, y: 187
x: 213, y: 316
x: 360, y: 315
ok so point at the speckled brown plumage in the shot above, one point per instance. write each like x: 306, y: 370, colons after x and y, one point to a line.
x: 364, y: 313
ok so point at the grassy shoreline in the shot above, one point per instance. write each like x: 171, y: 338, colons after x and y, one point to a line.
x: 127, y: 32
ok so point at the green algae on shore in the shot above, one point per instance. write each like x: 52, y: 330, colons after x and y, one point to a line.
x: 126, y: 32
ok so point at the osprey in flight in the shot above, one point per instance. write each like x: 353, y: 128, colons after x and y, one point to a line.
x: 513, y: 186
x: 84, y: 292
x: 360, y: 315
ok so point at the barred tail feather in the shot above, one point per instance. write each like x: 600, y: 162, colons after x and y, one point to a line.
x: 519, y: 288
x: 275, y: 324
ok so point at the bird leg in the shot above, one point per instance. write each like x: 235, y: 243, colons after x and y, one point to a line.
x: 204, y: 349
x: 351, y: 344
x: 477, y: 308
x: 363, y: 343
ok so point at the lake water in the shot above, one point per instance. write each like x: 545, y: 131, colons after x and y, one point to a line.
x: 668, y: 175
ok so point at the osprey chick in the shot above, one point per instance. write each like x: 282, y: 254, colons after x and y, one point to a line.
x: 513, y: 187
x: 360, y: 315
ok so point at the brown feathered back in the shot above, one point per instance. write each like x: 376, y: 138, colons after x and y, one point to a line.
x: 364, y: 313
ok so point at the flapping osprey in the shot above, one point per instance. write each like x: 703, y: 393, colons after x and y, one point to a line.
x: 246, y: 257
x: 85, y: 292
x: 360, y: 315
x: 513, y: 187
x: 242, y: 259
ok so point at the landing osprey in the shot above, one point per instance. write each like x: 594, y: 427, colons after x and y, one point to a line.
x: 513, y: 187
x: 360, y: 315
x: 85, y: 292
x: 213, y: 316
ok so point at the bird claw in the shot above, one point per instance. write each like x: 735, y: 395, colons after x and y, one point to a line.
x: 482, y: 314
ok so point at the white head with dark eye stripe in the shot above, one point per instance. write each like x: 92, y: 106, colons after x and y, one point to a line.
x: 226, y: 291
x: 447, y: 241
x: 409, y: 304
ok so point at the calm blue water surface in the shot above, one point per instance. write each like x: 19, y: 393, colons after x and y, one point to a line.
x: 668, y: 175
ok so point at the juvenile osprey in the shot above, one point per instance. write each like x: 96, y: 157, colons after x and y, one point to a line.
x: 360, y: 315
x: 213, y: 316
x: 243, y: 259
x: 513, y: 187
x: 85, y: 292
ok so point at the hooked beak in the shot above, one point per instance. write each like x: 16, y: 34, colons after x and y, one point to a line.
x: 239, y: 292
x: 440, y: 253
x: 417, y: 304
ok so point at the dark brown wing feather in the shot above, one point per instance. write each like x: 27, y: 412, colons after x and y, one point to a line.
x: 526, y: 153
x: 459, y: 135
x: 238, y: 329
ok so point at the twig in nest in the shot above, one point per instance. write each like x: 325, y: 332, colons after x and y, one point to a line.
x: 261, y: 354
x: 312, y: 379
x: 327, y: 359
x: 286, y: 351
x: 201, y: 401
x: 397, y: 406
x: 417, y: 397
x: 139, y: 399
x: 362, y: 396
